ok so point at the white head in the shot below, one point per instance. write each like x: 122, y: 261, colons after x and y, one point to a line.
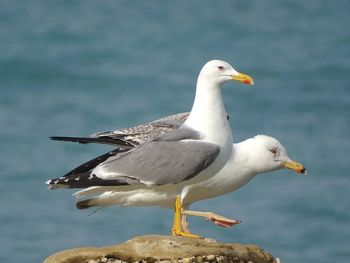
x: 219, y: 72
x: 268, y: 154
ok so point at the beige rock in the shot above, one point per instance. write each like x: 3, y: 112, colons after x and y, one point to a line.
x: 155, y: 248
x: 199, y: 259
x: 210, y: 257
x: 187, y: 260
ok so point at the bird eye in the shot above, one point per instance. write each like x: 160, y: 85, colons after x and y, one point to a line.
x: 274, y: 151
x: 221, y: 68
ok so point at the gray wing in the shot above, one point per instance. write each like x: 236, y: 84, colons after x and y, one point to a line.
x: 157, y: 162
x: 160, y: 162
x: 144, y: 132
x: 130, y: 137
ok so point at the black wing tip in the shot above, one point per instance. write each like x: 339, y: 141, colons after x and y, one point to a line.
x: 54, y: 184
x: 100, y: 140
x: 81, y: 140
x: 66, y: 182
x: 85, y: 181
x: 57, y: 138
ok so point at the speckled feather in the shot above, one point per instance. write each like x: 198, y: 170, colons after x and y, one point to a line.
x: 130, y: 137
x: 142, y: 133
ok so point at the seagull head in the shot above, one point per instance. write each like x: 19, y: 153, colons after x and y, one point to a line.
x: 219, y: 72
x: 268, y: 154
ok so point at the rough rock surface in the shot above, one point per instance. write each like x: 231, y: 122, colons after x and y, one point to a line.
x: 166, y: 249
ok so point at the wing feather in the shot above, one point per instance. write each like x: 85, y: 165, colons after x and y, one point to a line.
x: 160, y: 162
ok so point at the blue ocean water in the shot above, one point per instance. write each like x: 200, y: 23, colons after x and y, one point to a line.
x: 77, y: 67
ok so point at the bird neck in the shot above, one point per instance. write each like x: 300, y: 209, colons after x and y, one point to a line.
x: 241, y: 155
x: 250, y: 156
x: 208, y: 115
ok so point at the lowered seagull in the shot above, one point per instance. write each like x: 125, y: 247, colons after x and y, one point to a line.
x: 253, y: 156
x: 171, y: 162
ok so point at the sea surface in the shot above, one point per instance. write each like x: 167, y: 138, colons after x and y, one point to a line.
x: 78, y: 67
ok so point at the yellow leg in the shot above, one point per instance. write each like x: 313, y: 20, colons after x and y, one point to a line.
x: 177, y: 217
x: 177, y: 229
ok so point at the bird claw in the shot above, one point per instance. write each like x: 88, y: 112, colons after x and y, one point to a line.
x: 184, y: 234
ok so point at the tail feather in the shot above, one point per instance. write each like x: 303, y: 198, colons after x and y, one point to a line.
x: 85, y: 204
x: 95, y: 190
x: 104, y: 199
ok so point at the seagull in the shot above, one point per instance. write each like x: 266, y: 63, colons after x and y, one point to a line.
x: 171, y: 162
x: 257, y: 155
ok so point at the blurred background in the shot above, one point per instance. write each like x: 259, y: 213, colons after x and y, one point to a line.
x: 78, y: 67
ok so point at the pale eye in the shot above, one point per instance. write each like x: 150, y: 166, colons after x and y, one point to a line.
x: 221, y: 68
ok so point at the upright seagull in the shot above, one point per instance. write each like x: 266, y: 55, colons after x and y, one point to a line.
x: 248, y: 158
x: 172, y: 162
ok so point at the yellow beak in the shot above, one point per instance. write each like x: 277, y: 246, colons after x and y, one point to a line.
x: 299, y: 168
x: 243, y: 78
